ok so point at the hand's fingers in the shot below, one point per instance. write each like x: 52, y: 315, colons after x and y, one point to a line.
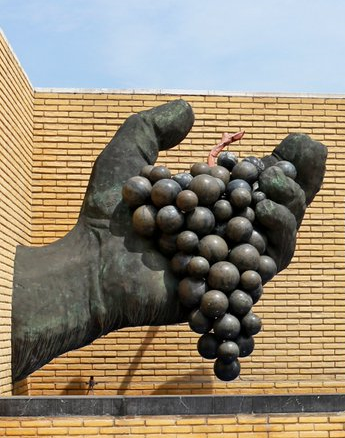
x: 283, y: 217
x: 283, y: 190
x: 309, y: 158
x: 281, y: 229
x: 135, y: 144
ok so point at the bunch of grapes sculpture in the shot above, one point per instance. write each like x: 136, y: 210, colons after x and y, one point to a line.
x: 204, y: 221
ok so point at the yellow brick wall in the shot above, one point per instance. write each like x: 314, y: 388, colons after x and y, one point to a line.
x: 301, y: 347
x: 231, y: 426
x: 16, y: 118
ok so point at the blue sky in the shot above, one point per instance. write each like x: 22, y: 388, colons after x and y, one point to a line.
x: 224, y: 45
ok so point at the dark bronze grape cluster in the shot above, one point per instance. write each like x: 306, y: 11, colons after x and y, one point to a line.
x: 204, y: 221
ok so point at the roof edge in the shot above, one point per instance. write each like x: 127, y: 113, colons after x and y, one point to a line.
x: 15, y: 57
x: 186, y: 92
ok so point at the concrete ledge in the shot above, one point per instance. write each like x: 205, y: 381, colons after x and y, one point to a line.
x: 15, y: 57
x: 169, y: 405
x: 184, y: 92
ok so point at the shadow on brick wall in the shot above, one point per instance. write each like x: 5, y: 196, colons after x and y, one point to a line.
x: 21, y: 388
x: 134, y: 365
x: 189, y: 383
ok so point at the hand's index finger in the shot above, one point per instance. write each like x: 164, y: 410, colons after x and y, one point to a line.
x: 136, y: 144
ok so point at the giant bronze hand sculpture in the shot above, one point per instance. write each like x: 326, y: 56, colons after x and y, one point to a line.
x: 102, y: 276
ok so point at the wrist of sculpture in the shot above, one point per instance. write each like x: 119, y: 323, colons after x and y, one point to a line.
x: 56, y: 299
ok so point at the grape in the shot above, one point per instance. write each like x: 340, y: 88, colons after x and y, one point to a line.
x: 245, y: 170
x: 227, y: 371
x: 259, y: 241
x: 250, y: 280
x: 198, y: 267
x: 214, y: 304
x: 201, y: 220
x: 213, y: 248
x: 258, y: 196
x: 159, y: 172
x: 187, y: 241
x: 245, y: 257
x: 199, y: 323
x: 227, y: 160
x: 256, y: 294
x: 146, y: 170
x: 288, y: 168
x: 240, y: 197
x: 170, y: 219
x: 267, y: 268
x: 239, y: 229
x: 221, y: 184
x: 257, y: 163
x: 251, y: 324
x: 222, y: 210
x: 164, y: 192
x: 179, y: 263
x: 190, y: 291
x: 187, y: 200
x: 136, y: 191
x: 206, y: 188
x: 248, y: 213
x: 240, y: 302
x: 199, y: 169
x: 228, y: 351
x: 237, y: 183
x: 208, y: 345
x: 227, y: 327
x: 245, y: 344
x: 144, y: 220
x: 221, y: 173
x: 223, y: 276
x: 183, y: 179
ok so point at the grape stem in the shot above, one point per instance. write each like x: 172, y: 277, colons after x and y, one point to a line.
x: 226, y: 140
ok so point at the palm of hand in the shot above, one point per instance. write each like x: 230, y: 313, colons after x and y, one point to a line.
x: 137, y: 285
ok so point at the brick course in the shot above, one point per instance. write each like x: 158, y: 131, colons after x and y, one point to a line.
x: 234, y: 426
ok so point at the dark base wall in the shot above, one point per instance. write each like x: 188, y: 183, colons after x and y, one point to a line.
x: 278, y: 416
x: 121, y: 406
